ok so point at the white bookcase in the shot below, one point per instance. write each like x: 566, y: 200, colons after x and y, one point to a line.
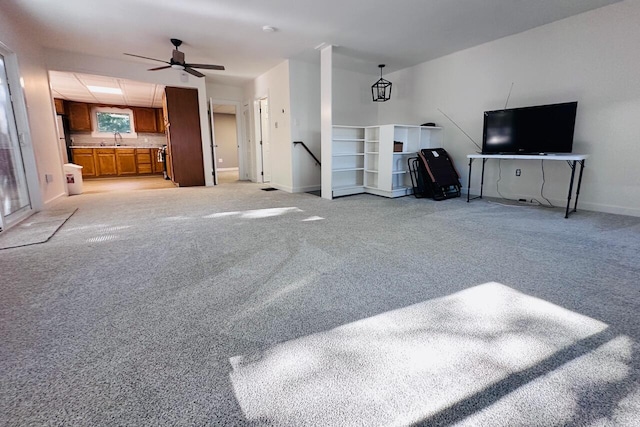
x: 386, y: 172
x: 363, y: 159
x: 347, y: 160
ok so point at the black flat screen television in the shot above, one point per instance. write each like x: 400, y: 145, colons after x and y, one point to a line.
x: 539, y: 129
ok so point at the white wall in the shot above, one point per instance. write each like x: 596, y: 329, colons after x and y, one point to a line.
x: 73, y: 62
x: 218, y: 91
x: 326, y: 120
x: 352, y: 103
x: 591, y: 58
x: 305, y: 112
x: 274, y: 84
x: 41, y: 152
x: 226, y: 140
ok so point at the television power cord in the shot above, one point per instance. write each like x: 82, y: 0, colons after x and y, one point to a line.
x: 538, y: 203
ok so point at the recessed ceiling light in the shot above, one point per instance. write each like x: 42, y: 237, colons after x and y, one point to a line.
x: 269, y: 29
x: 101, y: 89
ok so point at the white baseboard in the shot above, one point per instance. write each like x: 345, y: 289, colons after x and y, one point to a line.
x: 227, y: 169
x: 306, y: 188
x: 55, y: 199
x: 582, y: 205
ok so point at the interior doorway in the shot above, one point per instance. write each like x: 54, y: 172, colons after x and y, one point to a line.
x: 228, y: 149
x: 265, y: 141
x: 113, y: 136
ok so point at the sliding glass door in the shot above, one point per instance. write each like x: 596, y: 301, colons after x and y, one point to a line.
x: 14, y: 194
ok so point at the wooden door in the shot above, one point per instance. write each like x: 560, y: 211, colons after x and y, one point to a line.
x: 158, y: 167
x: 159, y: 120
x: 85, y: 157
x: 79, y: 116
x: 145, y: 119
x: 126, y: 161
x: 184, y: 136
x: 59, y: 106
x: 106, y: 162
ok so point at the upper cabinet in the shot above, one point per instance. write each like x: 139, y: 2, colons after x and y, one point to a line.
x: 59, y: 106
x: 145, y: 119
x: 79, y: 116
x: 160, y: 120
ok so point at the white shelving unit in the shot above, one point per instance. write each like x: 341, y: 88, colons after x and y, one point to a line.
x: 347, y: 160
x: 394, y: 179
x: 363, y: 160
x: 371, y: 157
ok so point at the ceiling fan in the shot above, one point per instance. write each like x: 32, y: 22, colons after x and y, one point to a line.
x: 177, y: 62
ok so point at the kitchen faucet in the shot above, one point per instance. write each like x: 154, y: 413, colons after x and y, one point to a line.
x: 117, y: 138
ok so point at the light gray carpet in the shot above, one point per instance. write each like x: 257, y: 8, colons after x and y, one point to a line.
x: 38, y: 228
x: 236, y: 306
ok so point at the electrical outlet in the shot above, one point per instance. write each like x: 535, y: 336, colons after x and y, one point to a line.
x: 518, y: 172
x: 219, y: 160
x: 48, y: 177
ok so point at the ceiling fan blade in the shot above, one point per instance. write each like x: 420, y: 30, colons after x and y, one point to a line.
x: 146, y: 57
x: 205, y: 66
x: 159, y: 68
x: 193, y: 72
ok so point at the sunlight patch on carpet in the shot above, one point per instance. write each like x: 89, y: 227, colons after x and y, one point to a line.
x: 475, y: 348
x: 256, y: 213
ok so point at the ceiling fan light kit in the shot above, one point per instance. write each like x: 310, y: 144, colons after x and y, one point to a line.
x: 177, y: 62
x: 381, y: 90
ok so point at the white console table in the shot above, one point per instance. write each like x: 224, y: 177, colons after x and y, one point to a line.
x: 571, y: 159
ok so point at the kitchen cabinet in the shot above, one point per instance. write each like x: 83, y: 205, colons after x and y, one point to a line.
x: 184, y: 136
x: 126, y: 161
x: 158, y: 167
x: 59, y: 103
x: 106, y: 161
x: 79, y: 116
x: 145, y: 119
x: 143, y: 159
x: 85, y: 157
x: 159, y: 120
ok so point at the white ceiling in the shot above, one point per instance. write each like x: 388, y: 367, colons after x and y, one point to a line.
x: 229, y: 32
x: 73, y: 87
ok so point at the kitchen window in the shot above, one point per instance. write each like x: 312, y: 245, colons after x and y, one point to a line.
x: 107, y: 122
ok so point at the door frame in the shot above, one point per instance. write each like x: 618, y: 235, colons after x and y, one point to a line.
x: 247, y: 139
x: 243, y: 172
x: 19, y: 104
x: 258, y: 135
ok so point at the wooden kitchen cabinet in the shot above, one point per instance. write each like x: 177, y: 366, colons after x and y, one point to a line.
x: 106, y: 161
x: 79, y: 116
x: 143, y: 159
x: 59, y: 103
x: 158, y: 167
x: 184, y: 136
x: 85, y: 157
x: 145, y: 119
x: 159, y: 120
x: 126, y: 161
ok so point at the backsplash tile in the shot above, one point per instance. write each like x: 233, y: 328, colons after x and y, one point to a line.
x: 144, y: 140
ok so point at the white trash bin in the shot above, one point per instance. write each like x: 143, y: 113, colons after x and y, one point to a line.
x: 73, y: 174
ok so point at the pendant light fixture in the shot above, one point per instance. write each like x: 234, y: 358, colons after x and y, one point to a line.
x: 381, y: 90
